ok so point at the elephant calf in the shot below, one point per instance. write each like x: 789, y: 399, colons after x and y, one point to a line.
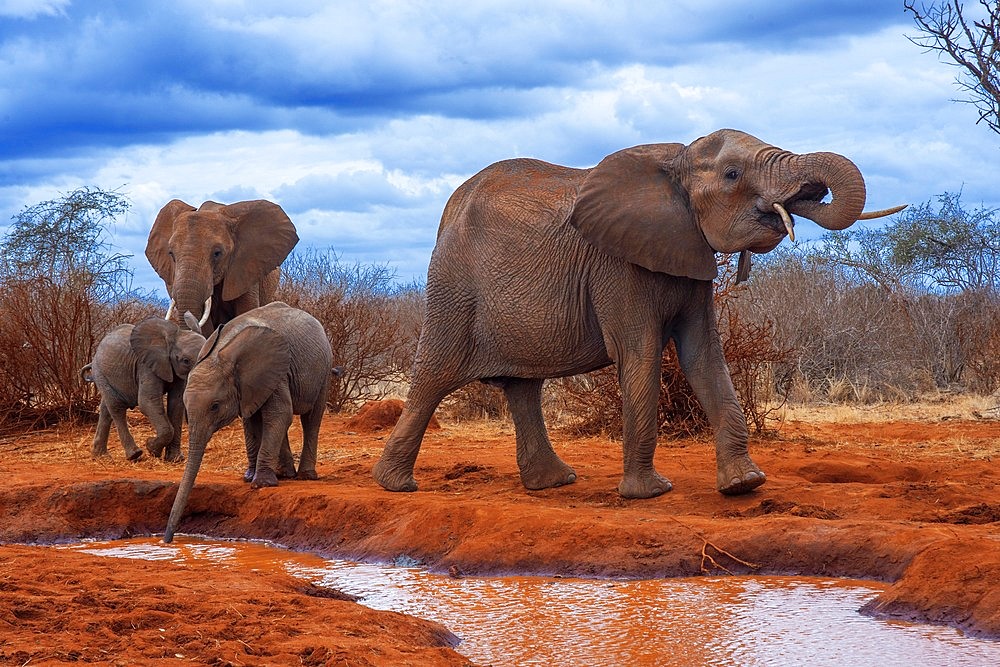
x: 263, y: 366
x: 134, y: 366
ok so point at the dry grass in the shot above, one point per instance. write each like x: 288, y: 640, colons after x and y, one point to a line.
x: 937, y: 406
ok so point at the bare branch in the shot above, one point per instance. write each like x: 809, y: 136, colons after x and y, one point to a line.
x: 971, y: 46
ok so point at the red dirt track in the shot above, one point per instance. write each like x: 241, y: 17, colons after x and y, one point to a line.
x: 916, y: 503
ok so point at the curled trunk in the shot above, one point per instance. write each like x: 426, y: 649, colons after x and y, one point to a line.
x: 819, y: 172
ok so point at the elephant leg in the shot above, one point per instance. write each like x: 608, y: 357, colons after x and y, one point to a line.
x: 699, y: 351
x: 100, y: 445
x: 252, y: 432
x: 132, y: 452
x: 151, y: 405
x: 275, y: 418
x: 286, y: 461
x: 175, y: 415
x: 540, y: 467
x: 311, y: 422
x: 394, y: 470
x: 639, y: 378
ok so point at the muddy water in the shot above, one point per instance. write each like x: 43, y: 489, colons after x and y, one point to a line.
x: 543, y: 621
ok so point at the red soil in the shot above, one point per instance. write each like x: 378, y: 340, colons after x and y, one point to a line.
x: 914, y: 503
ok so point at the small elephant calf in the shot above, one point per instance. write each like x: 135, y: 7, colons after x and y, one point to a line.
x: 263, y: 366
x: 134, y: 366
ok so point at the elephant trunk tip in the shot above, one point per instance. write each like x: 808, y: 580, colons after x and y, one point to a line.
x: 168, y: 536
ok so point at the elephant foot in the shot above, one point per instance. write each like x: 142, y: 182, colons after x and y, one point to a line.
x: 173, y: 456
x: 393, y: 479
x: 264, y: 478
x: 739, y: 475
x: 307, y: 474
x: 648, y: 485
x: 286, y: 473
x: 154, y: 447
x: 134, y: 455
x: 548, y: 477
x: 248, y: 475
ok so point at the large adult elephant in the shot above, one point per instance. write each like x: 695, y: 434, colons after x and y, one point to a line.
x: 543, y: 271
x: 219, y: 261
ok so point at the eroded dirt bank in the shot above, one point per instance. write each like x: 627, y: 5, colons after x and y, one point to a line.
x: 914, y: 503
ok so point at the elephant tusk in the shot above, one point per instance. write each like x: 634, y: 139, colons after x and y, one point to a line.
x: 870, y: 215
x: 785, y: 218
x: 743, y: 267
x: 170, y: 311
x: 208, y: 307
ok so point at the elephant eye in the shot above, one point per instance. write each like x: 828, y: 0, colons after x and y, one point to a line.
x: 215, y: 406
x: 732, y: 174
x: 217, y: 253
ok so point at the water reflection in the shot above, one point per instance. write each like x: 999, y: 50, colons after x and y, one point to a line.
x: 536, y: 621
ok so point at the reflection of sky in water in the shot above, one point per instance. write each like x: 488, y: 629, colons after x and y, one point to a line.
x: 535, y: 621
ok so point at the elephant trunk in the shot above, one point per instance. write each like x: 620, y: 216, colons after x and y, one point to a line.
x: 194, y: 297
x: 818, y: 172
x: 196, y: 450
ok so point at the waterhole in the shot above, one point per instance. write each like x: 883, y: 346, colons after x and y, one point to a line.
x: 544, y: 621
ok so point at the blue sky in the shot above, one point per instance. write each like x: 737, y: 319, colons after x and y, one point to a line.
x: 360, y: 118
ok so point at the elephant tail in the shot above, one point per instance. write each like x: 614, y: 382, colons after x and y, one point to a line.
x: 87, y: 373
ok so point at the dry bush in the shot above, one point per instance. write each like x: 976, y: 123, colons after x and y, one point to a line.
x: 62, y: 288
x: 372, y: 323
x: 48, y: 332
x: 475, y: 401
x: 857, y: 341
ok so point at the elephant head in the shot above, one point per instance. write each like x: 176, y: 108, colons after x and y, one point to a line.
x: 235, y: 374
x: 164, y: 349
x: 670, y: 207
x: 218, y: 249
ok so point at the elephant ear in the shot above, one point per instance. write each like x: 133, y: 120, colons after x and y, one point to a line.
x: 263, y: 237
x: 632, y: 206
x: 261, y: 358
x: 157, y: 250
x: 210, y: 343
x: 151, y: 341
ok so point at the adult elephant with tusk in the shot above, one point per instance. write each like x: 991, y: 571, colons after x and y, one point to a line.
x: 219, y: 261
x: 543, y: 271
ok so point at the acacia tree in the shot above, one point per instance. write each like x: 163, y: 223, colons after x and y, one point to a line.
x: 947, y: 250
x: 972, y: 44
x: 62, y: 287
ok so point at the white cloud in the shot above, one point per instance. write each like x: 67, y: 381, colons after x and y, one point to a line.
x: 29, y: 9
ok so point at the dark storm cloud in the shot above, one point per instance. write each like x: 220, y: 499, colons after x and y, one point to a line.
x: 110, y: 74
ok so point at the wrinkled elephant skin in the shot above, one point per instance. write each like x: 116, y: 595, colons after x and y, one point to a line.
x: 134, y: 366
x: 543, y: 271
x: 219, y: 261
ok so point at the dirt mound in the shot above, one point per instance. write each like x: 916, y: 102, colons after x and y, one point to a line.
x: 770, y: 506
x: 376, y: 416
x: 976, y: 514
